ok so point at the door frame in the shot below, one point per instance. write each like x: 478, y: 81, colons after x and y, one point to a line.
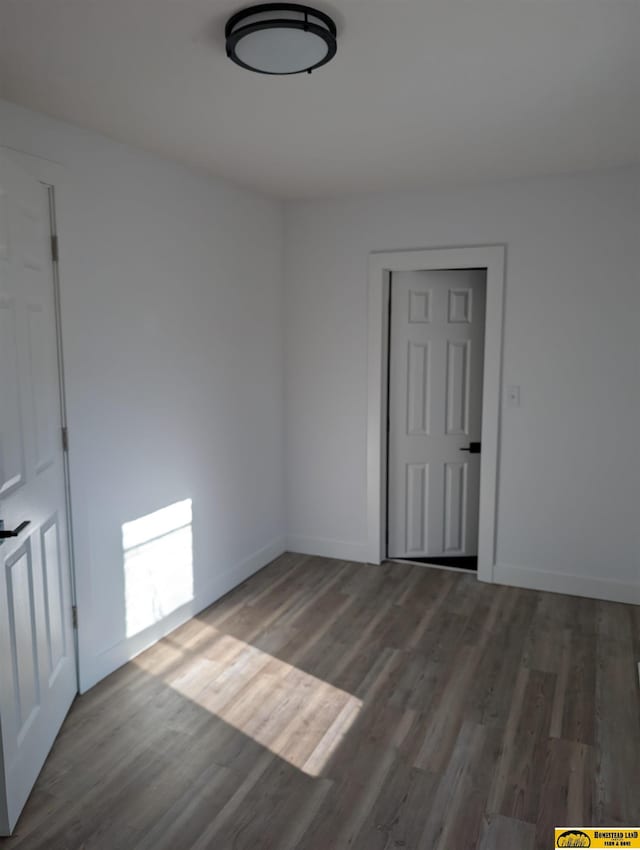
x: 52, y: 176
x: 381, y: 267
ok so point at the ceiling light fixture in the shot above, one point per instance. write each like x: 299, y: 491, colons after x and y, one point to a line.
x: 280, y: 38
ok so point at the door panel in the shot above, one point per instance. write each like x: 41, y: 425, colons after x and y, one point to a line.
x: 418, y: 388
x: 435, y: 410
x: 38, y: 669
x: 417, y: 506
x: 455, y: 504
x: 22, y: 623
x: 54, y: 597
x: 460, y: 306
x: 457, y: 387
x: 44, y: 402
x: 11, y: 447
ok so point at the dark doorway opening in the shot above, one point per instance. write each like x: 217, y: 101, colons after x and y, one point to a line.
x: 462, y: 563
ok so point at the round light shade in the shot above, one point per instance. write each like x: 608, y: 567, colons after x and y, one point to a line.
x: 280, y: 38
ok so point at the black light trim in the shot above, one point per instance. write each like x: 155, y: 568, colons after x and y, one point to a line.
x: 234, y: 32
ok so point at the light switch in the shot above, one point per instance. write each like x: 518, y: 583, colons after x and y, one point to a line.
x: 513, y: 396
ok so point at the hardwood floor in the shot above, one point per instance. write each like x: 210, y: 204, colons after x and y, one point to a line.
x: 326, y: 705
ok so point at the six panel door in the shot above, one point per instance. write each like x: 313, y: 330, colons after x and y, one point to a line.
x: 37, y: 656
x: 435, y: 412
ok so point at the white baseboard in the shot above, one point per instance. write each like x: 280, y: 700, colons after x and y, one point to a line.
x: 532, y: 579
x: 325, y: 547
x: 573, y: 585
x: 106, y: 662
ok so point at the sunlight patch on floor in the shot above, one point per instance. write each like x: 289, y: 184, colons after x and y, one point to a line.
x: 295, y: 715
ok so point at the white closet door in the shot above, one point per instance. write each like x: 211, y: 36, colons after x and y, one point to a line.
x: 435, y: 412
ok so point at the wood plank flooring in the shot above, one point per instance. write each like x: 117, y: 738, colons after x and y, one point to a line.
x: 326, y: 705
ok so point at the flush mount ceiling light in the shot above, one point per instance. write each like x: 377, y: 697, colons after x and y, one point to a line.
x: 280, y: 38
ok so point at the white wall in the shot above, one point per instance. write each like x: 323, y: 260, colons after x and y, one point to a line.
x: 569, y: 460
x: 173, y: 329
x: 172, y: 304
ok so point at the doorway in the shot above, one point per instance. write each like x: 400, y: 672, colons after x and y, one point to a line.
x: 488, y: 263
x: 436, y: 351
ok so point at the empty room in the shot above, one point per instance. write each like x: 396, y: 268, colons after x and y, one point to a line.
x: 319, y: 417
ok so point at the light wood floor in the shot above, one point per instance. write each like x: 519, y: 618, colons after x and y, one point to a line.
x: 332, y: 705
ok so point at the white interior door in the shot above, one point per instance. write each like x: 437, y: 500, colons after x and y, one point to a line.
x: 435, y: 412
x: 37, y: 657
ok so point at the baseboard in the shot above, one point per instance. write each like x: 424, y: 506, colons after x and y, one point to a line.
x: 325, y: 547
x: 109, y: 660
x: 573, y: 585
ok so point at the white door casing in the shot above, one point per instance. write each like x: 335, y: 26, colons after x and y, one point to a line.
x: 435, y: 411
x: 381, y: 266
x: 37, y: 657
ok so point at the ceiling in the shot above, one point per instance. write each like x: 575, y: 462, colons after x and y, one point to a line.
x: 421, y: 92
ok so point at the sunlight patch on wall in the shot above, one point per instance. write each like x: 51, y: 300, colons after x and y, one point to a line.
x: 158, y: 565
x: 296, y: 716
